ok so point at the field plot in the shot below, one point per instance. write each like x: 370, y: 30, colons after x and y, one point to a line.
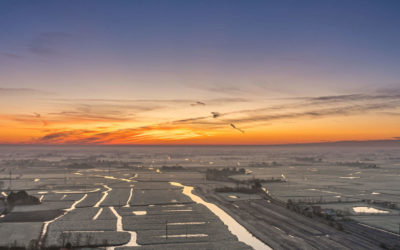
x: 385, y: 222
x: 80, y: 214
x: 239, y: 196
x: 149, y: 237
x: 220, y: 245
x: 175, y: 223
x: 87, y: 238
x: 116, y: 197
x: 188, y: 176
x: 91, y: 199
x: 50, y: 205
x: 351, y: 208
x: 153, y: 186
x: 19, y: 234
x: 83, y: 225
x: 112, y: 210
x: 31, y: 216
x: 153, y: 197
x: 179, y: 209
x: 104, y: 214
x: 52, y: 196
x: 161, y: 219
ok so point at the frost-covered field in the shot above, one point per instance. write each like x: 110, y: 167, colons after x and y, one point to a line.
x: 19, y: 234
x: 103, y: 195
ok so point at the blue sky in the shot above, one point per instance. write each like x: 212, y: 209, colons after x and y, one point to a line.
x: 199, y: 50
x: 356, y: 41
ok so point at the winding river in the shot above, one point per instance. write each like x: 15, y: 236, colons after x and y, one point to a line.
x: 234, y: 227
x: 120, y: 228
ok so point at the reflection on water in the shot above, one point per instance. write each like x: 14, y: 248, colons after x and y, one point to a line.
x: 187, y: 223
x: 369, y: 210
x: 105, y: 194
x: 67, y: 191
x: 120, y: 228
x: 139, y: 212
x: 234, y: 227
x: 177, y: 210
x: 129, y: 198
x: 349, y: 177
x: 97, y: 214
x: 174, y: 205
x: 184, y: 235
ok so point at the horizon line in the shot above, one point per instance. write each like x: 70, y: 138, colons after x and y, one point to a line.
x: 327, y: 143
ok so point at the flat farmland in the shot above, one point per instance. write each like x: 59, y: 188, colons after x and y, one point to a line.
x: 144, y: 200
x: 110, y: 208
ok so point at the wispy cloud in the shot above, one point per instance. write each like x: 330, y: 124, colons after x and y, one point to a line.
x: 20, y: 91
x: 64, y: 136
x: 393, y: 90
x: 312, y: 103
x: 25, y: 119
x: 39, y: 116
x: 198, y: 103
x: 309, y: 107
x: 209, y: 101
x: 238, y: 129
x: 81, y: 110
x: 124, y: 109
x: 352, y: 98
x: 215, y: 114
x: 80, y: 116
x: 225, y: 89
x: 202, y: 125
x: 119, y: 136
x: 10, y: 55
x: 75, y: 112
x: 316, y: 113
x: 48, y: 43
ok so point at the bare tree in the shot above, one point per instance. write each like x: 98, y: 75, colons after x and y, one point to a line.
x: 78, y: 239
x: 33, y: 244
x: 89, y: 238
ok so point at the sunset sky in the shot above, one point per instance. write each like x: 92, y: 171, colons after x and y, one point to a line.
x: 198, y: 72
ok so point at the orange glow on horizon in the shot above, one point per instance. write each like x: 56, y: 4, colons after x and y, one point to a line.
x: 288, y: 132
x: 185, y: 122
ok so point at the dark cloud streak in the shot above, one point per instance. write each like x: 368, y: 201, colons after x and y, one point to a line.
x: 20, y: 91
x: 198, y: 103
x: 328, y: 106
x: 9, y: 55
x: 240, y: 130
x: 215, y: 114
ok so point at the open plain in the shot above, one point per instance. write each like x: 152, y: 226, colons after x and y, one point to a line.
x: 130, y: 198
